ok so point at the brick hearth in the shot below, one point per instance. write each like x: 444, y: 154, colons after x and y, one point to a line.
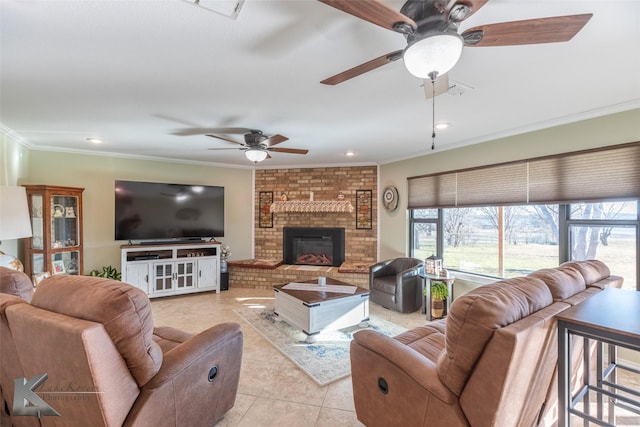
x: 263, y: 274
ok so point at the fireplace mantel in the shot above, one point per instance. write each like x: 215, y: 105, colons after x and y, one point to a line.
x: 312, y: 206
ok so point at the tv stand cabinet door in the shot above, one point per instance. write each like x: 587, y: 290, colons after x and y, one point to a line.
x: 185, y: 276
x: 209, y: 274
x: 163, y: 278
x: 137, y: 274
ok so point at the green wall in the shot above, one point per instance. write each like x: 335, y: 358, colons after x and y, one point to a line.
x: 608, y: 130
x: 96, y: 174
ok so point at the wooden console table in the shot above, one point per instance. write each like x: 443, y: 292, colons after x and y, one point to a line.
x: 610, y: 317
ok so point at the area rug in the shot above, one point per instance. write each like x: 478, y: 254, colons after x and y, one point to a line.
x: 327, y: 359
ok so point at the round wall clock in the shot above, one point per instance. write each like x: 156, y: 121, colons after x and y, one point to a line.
x: 390, y: 198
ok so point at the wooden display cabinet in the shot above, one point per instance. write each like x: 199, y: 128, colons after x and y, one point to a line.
x: 56, y: 223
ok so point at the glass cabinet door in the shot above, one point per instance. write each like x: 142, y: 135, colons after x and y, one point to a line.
x: 65, y: 262
x: 64, y: 221
x: 37, y: 226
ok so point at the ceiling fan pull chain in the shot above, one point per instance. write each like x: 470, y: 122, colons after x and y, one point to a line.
x: 433, y: 75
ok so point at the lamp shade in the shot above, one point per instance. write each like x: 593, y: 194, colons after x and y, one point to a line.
x: 255, y: 155
x: 437, y: 53
x: 14, y: 213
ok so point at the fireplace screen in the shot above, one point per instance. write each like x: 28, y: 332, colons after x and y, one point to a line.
x: 313, y: 251
x: 313, y: 246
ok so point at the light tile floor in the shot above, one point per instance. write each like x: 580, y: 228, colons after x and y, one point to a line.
x: 272, y: 390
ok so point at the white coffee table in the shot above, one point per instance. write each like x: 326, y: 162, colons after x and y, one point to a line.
x: 314, y: 311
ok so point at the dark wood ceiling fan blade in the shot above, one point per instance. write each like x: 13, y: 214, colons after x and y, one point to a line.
x: 227, y: 148
x: 530, y: 31
x: 229, y: 130
x: 363, y: 68
x: 224, y: 139
x: 191, y: 131
x: 275, y: 139
x: 289, y: 150
x: 372, y: 11
x: 201, y: 131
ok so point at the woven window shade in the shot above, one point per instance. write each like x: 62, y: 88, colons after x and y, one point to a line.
x: 593, y: 175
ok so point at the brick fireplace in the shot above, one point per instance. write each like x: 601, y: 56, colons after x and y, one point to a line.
x: 360, y: 244
x: 326, y: 184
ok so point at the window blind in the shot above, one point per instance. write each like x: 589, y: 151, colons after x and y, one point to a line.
x: 584, y: 176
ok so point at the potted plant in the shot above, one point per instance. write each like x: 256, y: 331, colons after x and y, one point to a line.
x: 109, y: 272
x: 439, y: 294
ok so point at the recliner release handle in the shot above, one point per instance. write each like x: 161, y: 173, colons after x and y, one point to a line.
x: 383, y: 386
x: 212, y: 373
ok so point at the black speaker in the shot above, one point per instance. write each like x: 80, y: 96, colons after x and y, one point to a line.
x: 224, y: 281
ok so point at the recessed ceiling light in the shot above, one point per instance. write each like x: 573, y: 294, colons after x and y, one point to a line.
x: 442, y: 125
x: 94, y: 140
x: 350, y: 154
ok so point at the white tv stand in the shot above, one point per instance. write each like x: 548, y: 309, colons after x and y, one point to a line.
x: 172, y: 269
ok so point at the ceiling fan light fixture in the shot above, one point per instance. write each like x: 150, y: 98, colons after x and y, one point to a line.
x: 437, y: 53
x: 255, y: 154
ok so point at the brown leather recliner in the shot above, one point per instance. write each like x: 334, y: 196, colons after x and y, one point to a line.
x: 107, y: 366
x: 492, y: 362
x: 17, y: 288
x: 396, y: 284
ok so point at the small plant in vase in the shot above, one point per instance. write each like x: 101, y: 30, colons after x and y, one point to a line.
x: 225, y: 252
x: 439, y: 294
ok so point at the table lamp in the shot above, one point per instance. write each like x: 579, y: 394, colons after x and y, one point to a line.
x: 14, y: 221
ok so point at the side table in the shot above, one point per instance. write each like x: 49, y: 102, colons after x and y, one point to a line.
x: 610, y: 317
x: 426, y: 292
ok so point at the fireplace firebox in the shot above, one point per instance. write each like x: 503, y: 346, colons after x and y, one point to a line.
x: 313, y: 246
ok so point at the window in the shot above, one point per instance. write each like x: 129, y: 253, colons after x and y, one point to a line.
x: 608, y: 232
x: 512, y: 218
x: 424, y: 232
x: 513, y: 241
x: 500, y: 241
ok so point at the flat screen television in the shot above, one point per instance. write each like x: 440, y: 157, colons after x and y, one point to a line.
x: 151, y: 211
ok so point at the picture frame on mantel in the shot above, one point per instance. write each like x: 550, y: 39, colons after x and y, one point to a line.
x: 265, y: 199
x: 364, y: 210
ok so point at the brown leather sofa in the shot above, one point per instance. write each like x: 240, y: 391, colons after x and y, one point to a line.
x: 491, y: 362
x: 396, y: 284
x: 16, y: 283
x: 107, y: 365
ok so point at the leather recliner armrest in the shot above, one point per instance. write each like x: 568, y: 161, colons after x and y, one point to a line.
x: 207, y: 366
x: 195, y: 350
x: 415, y: 365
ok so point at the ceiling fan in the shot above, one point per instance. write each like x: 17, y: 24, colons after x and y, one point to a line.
x: 256, y: 145
x: 431, y: 29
